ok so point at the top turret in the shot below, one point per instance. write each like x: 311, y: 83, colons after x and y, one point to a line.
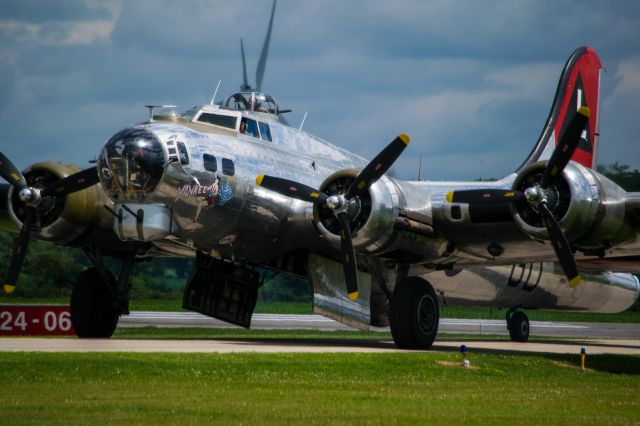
x: 251, y: 101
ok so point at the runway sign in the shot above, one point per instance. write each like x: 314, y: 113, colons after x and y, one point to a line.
x: 35, y: 320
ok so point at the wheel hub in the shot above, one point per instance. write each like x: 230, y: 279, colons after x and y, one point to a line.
x: 426, y: 314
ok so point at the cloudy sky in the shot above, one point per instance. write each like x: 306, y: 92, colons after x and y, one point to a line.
x: 470, y: 81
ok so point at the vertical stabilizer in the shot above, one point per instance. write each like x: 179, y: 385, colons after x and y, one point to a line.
x: 579, y: 86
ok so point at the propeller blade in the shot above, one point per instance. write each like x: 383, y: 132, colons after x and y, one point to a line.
x: 19, y: 252
x: 484, y: 196
x: 377, y: 167
x: 561, y: 246
x: 262, y: 62
x: 291, y: 189
x: 348, y: 257
x: 73, y: 183
x: 11, y: 174
x: 567, y: 145
x: 245, y: 84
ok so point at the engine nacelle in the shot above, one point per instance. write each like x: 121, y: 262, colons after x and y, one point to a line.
x: 64, y: 220
x: 589, y: 207
x: 388, y: 220
x: 372, y: 216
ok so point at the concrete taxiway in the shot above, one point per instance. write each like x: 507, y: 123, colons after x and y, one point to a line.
x: 447, y: 325
x: 571, y: 337
x: 10, y: 344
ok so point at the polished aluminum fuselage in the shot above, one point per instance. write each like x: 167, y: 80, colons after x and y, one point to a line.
x: 257, y: 224
x: 225, y: 214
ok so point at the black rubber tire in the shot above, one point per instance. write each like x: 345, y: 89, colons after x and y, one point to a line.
x: 92, y: 305
x: 518, y: 326
x: 414, y: 315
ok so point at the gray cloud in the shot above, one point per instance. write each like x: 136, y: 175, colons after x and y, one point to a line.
x: 37, y: 11
x: 470, y: 81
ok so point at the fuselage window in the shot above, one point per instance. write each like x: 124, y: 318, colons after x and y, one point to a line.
x: 183, y: 154
x: 228, y: 168
x: 210, y: 162
x: 218, y: 120
x: 265, y: 132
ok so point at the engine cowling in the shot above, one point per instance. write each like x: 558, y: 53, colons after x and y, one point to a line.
x: 64, y: 220
x: 589, y: 207
x: 372, y: 216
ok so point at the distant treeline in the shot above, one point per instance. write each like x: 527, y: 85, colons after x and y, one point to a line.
x: 50, y: 271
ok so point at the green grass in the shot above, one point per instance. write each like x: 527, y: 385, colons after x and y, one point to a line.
x: 399, y: 388
x: 306, y: 308
x: 169, y: 305
x: 539, y: 315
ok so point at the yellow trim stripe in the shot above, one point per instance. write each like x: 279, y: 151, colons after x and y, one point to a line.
x: 449, y: 197
x: 314, y: 194
x: 259, y: 179
x: 361, y: 184
x: 8, y: 288
x: 575, y: 281
x: 353, y: 296
x: 404, y: 138
x: 585, y: 111
x: 15, y: 176
x: 509, y: 194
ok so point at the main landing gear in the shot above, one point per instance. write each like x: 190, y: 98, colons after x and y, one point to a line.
x: 98, y: 299
x: 518, y: 325
x: 414, y: 314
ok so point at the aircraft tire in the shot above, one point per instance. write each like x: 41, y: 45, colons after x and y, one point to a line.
x: 518, y: 325
x: 92, y: 311
x: 414, y: 314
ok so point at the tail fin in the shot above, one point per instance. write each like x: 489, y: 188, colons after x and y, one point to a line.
x: 579, y: 85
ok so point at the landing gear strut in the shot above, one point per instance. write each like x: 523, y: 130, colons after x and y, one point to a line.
x: 518, y: 325
x: 414, y: 315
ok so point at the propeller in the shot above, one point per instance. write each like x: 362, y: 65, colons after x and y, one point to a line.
x: 262, y: 61
x: 339, y: 203
x: 32, y: 197
x: 536, y: 195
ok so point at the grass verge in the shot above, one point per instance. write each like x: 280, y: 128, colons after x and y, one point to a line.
x: 414, y: 388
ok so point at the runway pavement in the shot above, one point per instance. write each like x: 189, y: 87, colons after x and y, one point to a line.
x: 48, y: 344
x: 447, y: 325
x: 570, y: 337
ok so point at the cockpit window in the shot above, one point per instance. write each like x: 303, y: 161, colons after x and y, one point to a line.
x: 251, y: 128
x: 265, y: 132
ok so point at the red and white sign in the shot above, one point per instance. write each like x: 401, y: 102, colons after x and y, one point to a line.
x: 35, y: 320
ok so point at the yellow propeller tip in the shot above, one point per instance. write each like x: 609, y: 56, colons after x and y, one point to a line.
x: 449, y: 197
x: 259, y: 179
x: 8, y: 288
x: 575, y: 281
x: 404, y: 138
x: 353, y: 296
x: 585, y: 111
